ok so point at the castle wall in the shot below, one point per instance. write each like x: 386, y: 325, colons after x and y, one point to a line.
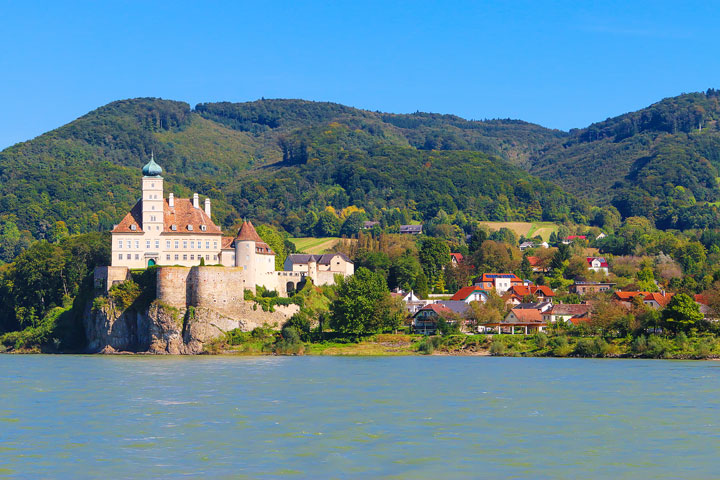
x: 172, y: 286
x: 106, y: 277
x: 218, y: 288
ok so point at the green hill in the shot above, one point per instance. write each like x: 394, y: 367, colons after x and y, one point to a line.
x: 279, y: 161
x: 661, y: 162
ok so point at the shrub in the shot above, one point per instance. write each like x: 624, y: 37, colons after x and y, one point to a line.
x: 541, y: 340
x: 426, y: 346
x: 639, y: 345
x: 497, y: 347
x: 659, y: 347
x: 561, y: 347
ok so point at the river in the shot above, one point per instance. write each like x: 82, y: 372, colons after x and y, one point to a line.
x: 367, y: 417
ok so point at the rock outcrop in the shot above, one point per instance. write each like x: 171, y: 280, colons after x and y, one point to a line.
x: 163, y: 329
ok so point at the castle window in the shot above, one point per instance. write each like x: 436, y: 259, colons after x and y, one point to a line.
x: 192, y: 243
x: 192, y: 257
x: 177, y: 245
x: 137, y: 244
x: 177, y: 257
x: 167, y: 257
x: 207, y: 257
x: 153, y: 207
x: 137, y: 257
x: 152, y: 185
x: 214, y: 244
x: 190, y: 228
x: 167, y: 245
x: 173, y: 228
x: 215, y: 257
x: 133, y: 227
x: 120, y: 242
x: 147, y: 244
x: 184, y: 243
x: 120, y: 256
x: 157, y: 244
x: 203, y: 227
x: 207, y: 245
x: 184, y: 257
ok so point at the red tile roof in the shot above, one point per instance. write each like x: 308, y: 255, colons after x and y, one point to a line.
x: 457, y: 256
x: 227, y: 242
x: 437, y: 308
x: 526, y: 290
x: 247, y: 233
x: 527, y: 315
x: 489, y: 277
x: 185, y: 218
x: 603, y: 262
x: 134, y: 217
x: 575, y: 237
x: 661, y: 299
x: 534, y: 261
x: 465, y: 292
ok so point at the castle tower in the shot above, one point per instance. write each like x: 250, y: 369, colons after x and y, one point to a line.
x: 245, y: 252
x: 152, y: 198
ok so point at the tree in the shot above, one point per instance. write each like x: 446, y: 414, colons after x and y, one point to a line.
x: 422, y: 289
x: 525, y: 268
x: 434, y: 256
x: 328, y: 224
x: 404, y: 271
x: 361, y: 304
x: 276, y: 240
x: 353, y: 223
x: 577, y: 268
x: 681, y: 313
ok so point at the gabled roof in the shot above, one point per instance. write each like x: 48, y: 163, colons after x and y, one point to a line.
x: 569, y: 309
x: 527, y: 290
x: 603, y: 262
x: 411, y: 228
x: 455, y: 306
x: 490, y: 277
x: 227, y: 243
x: 134, y: 217
x: 528, y: 315
x: 534, y: 261
x: 457, y: 256
x: 659, y: 298
x: 247, y: 233
x: 323, y: 259
x: 187, y: 218
x: 465, y: 292
x: 437, y: 308
x: 183, y: 216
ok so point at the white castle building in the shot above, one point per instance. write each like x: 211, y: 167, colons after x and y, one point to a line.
x: 170, y: 231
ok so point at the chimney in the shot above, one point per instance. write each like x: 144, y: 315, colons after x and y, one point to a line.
x: 196, y: 200
x: 207, y: 207
x: 171, y: 200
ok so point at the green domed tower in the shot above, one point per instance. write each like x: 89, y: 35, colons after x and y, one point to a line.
x: 152, y: 169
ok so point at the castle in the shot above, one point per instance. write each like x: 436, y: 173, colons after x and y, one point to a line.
x: 178, y: 236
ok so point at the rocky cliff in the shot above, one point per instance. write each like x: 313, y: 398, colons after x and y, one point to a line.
x: 162, y: 329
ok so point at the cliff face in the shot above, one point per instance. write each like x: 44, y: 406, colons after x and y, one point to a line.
x: 162, y: 329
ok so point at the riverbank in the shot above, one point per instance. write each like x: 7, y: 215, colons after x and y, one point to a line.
x: 681, y: 346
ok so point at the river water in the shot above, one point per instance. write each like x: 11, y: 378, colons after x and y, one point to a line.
x: 339, y: 417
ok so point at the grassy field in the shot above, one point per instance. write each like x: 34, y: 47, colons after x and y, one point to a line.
x: 315, y: 245
x: 526, y: 229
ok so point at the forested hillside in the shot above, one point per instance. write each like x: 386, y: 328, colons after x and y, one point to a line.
x: 660, y: 162
x: 275, y: 161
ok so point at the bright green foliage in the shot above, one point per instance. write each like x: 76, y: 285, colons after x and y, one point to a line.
x: 361, y: 304
x: 681, y: 313
x: 276, y: 240
x: 434, y: 255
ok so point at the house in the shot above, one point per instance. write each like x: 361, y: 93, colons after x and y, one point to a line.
x: 425, y: 320
x: 704, y: 304
x: 470, y: 294
x: 518, y: 293
x: 411, y: 229
x: 571, y: 238
x: 501, y: 282
x: 652, y: 299
x: 413, y: 303
x: 525, y: 245
x: 455, y: 259
x: 536, y: 264
x: 458, y: 307
x: 540, y: 306
x: 600, y: 236
x: 320, y: 268
x: 597, y: 264
x: 528, y: 320
x: 583, y: 288
x: 367, y: 225
x: 565, y: 312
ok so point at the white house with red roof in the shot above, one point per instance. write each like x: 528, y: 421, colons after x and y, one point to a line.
x: 455, y: 259
x: 470, y: 294
x: 598, y: 264
x: 500, y: 282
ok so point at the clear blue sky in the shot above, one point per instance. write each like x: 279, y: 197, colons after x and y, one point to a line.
x: 561, y: 64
